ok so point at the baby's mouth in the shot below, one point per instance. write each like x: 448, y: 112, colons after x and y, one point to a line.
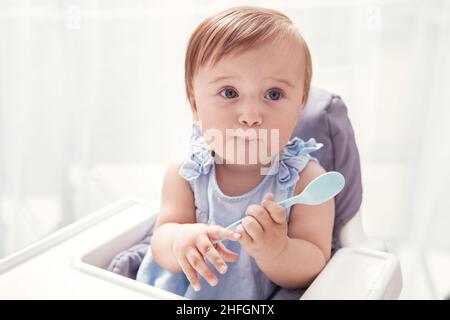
x: 246, y: 136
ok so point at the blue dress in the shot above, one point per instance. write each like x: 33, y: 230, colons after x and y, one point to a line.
x: 244, y: 279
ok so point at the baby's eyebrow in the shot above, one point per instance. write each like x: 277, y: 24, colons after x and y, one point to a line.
x: 286, y: 82
x: 221, y: 78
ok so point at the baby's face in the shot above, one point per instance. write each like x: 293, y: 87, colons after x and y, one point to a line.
x: 257, y: 89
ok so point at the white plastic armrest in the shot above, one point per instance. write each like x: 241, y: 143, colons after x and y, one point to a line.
x: 352, y: 234
x: 357, y: 273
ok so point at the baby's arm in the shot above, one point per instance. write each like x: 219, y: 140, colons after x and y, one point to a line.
x: 301, y: 253
x: 177, y: 207
x: 181, y: 244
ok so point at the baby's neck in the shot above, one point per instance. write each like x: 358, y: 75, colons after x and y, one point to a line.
x: 235, y: 180
x: 251, y: 169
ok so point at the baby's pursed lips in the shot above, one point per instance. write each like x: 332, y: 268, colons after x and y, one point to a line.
x: 247, y: 138
x: 248, y: 135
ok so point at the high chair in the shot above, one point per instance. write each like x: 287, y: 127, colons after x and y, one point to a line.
x: 98, y: 256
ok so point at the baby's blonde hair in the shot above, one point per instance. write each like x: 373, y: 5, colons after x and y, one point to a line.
x: 235, y: 29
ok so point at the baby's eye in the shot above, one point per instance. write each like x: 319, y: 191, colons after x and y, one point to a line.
x: 274, y: 94
x: 228, y: 93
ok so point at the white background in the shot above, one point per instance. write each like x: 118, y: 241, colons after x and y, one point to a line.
x: 92, y: 105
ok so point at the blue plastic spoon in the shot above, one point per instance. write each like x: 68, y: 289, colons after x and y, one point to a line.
x: 318, y: 191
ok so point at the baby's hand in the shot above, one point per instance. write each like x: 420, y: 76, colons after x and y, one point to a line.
x: 264, y: 230
x: 193, y: 245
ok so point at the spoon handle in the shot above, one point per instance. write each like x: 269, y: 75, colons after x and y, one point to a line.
x: 289, y: 202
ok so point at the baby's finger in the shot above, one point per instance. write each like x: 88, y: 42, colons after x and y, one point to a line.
x: 198, y: 263
x: 261, y: 215
x: 220, y: 233
x: 208, y: 251
x: 190, y: 273
x: 268, y: 196
x: 276, y: 211
x: 245, y: 237
x: 228, y: 255
x: 252, y: 227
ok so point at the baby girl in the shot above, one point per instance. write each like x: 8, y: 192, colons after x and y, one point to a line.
x: 248, y: 72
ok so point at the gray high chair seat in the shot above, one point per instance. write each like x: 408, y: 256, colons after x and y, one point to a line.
x: 325, y: 118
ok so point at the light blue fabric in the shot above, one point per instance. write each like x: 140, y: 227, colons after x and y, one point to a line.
x: 243, y: 280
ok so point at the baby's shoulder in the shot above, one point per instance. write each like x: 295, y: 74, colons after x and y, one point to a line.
x: 311, y: 171
x: 177, y: 200
x: 173, y: 167
x: 173, y: 181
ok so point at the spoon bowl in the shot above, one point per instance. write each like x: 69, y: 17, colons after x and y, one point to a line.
x: 318, y: 191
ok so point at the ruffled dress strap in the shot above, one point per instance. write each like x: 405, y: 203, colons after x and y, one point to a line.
x: 294, y: 158
x: 200, y: 160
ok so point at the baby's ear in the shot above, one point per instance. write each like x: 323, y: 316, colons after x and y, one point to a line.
x: 303, y: 103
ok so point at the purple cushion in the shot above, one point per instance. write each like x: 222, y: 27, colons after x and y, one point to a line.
x: 325, y: 119
x: 127, y: 262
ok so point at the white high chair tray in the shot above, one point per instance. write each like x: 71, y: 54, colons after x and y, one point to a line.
x: 69, y: 264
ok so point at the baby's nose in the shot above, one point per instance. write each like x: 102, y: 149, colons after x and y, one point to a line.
x: 250, y: 119
x: 251, y: 123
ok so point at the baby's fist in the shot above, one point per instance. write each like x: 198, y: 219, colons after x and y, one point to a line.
x: 264, y: 230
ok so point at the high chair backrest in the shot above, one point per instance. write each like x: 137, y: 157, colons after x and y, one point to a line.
x: 325, y: 118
